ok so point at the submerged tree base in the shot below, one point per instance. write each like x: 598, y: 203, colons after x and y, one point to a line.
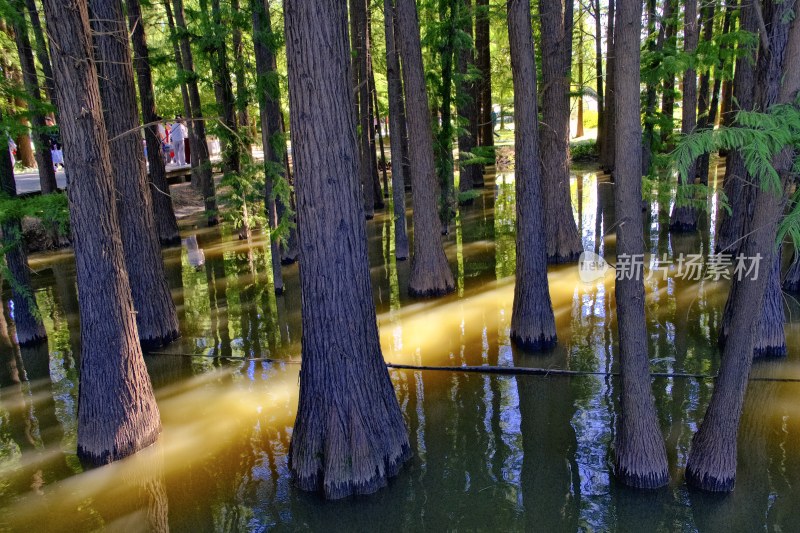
x: 708, y: 482
x: 125, y: 448
x: 31, y: 340
x: 647, y: 480
x: 534, y: 344
x: 683, y: 220
x: 154, y: 343
x: 431, y: 292
x: 560, y: 259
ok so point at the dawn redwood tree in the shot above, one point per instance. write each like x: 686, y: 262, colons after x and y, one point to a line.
x: 41, y: 51
x: 712, y: 456
x: 272, y: 136
x: 187, y: 105
x: 117, y: 413
x: 205, y: 178
x: 598, y: 66
x: 484, y: 64
x: 166, y: 224
x: 360, y: 42
x: 467, y: 104
x: 28, y: 321
x: 684, y: 217
x: 349, y: 436
x: 671, y: 8
x: 430, y: 273
x: 641, y: 459
x: 47, y: 174
x: 443, y: 136
x: 395, y: 87
x: 563, y: 240
x: 156, y: 317
x: 532, y: 322
x: 608, y: 137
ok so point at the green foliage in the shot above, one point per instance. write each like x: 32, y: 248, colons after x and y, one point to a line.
x: 52, y: 209
x: 584, y: 150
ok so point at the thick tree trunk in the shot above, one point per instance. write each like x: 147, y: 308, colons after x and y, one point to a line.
x: 44, y: 160
x: 430, y: 273
x: 712, y: 457
x: 118, y: 414
x: 349, y: 436
x: 206, y: 180
x: 156, y: 318
x: 641, y: 459
x: 484, y: 64
x: 396, y: 132
x: 563, y: 240
x: 532, y: 322
x: 467, y: 104
x: 272, y: 138
x: 164, y: 214
x: 684, y: 217
x: 731, y: 226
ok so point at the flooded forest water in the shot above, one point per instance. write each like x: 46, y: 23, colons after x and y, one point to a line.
x: 492, y: 452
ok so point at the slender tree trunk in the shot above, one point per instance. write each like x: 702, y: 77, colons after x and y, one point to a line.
x: 156, y: 318
x: 443, y: 147
x: 668, y: 93
x: 349, y: 436
x: 358, y: 17
x: 579, y: 127
x: 44, y: 160
x: 272, y: 137
x: 467, y: 104
x: 164, y: 214
x: 379, y: 136
x: 609, y: 127
x: 187, y: 105
x: 641, y: 459
x: 650, y: 117
x: 731, y: 226
x: 242, y: 95
x: 396, y: 132
x: 598, y: 65
x: 28, y: 321
x: 377, y: 194
x: 430, y: 273
x: 706, y: 96
x: 712, y: 456
x: 791, y: 282
x: 118, y: 414
x: 563, y: 240
x: 484, y: 63
x: 532, y: 322
x: 684, y: 217
x: 206, y: 179
x: 41, y: 52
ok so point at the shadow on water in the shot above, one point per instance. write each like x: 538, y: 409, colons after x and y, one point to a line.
x: 492, y: 451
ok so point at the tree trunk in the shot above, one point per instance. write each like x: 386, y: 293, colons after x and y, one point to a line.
x: 430, y: 273
x: 206, y: 179
x: 731, y: 226
x: 712, y: 456
x: 44, y: 160
x: 377, y: 194
x: 791, y: 282
x: 563, y: 240
x: 41, y: 52
x: 164, y: 214
x: 668, y: 93
x: 349, y: 435
x: 28, y: 320
x: 395, y: 138
x: 706, y: 96
x: 579, y: 126
x: 272, y: 137
x: 598, y: 65
x: 650, y: 118
x: 484, y: 64
x: 684, y: 217
x: 467, y: 105
x: 379, y: 135
x: 358, y: 16
x: 118, y: 414
x: 609, y: 127
x: 242, y: 95
x: 156, y: 318
x: 443, y: 147
x: 532, y: 322
x: 641, y: 459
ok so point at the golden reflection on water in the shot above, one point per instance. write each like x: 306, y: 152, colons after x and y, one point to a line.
x: 500, y: 452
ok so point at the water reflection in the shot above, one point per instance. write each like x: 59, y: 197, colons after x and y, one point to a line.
x: 492, y: 452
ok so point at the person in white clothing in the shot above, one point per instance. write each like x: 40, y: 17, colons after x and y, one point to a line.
x: 177, y: 135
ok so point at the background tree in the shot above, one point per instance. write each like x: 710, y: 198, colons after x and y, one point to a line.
x: 349, y: 435
x: 117, y: 413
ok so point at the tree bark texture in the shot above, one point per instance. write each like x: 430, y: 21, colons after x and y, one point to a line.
x: 430, y: 272
x: 44, y: 160
x: 117, y: 413
x: 563, y: 240
x: 349, y: 436
x: 532, y: 321
x: 166, y: 224
x: 712, y: 456
x: 467, y: 105
x: 395, y: 86
x: 684, y: 217
x: 206, y: 180
x: 484, y: 63
x: 641, y: 459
